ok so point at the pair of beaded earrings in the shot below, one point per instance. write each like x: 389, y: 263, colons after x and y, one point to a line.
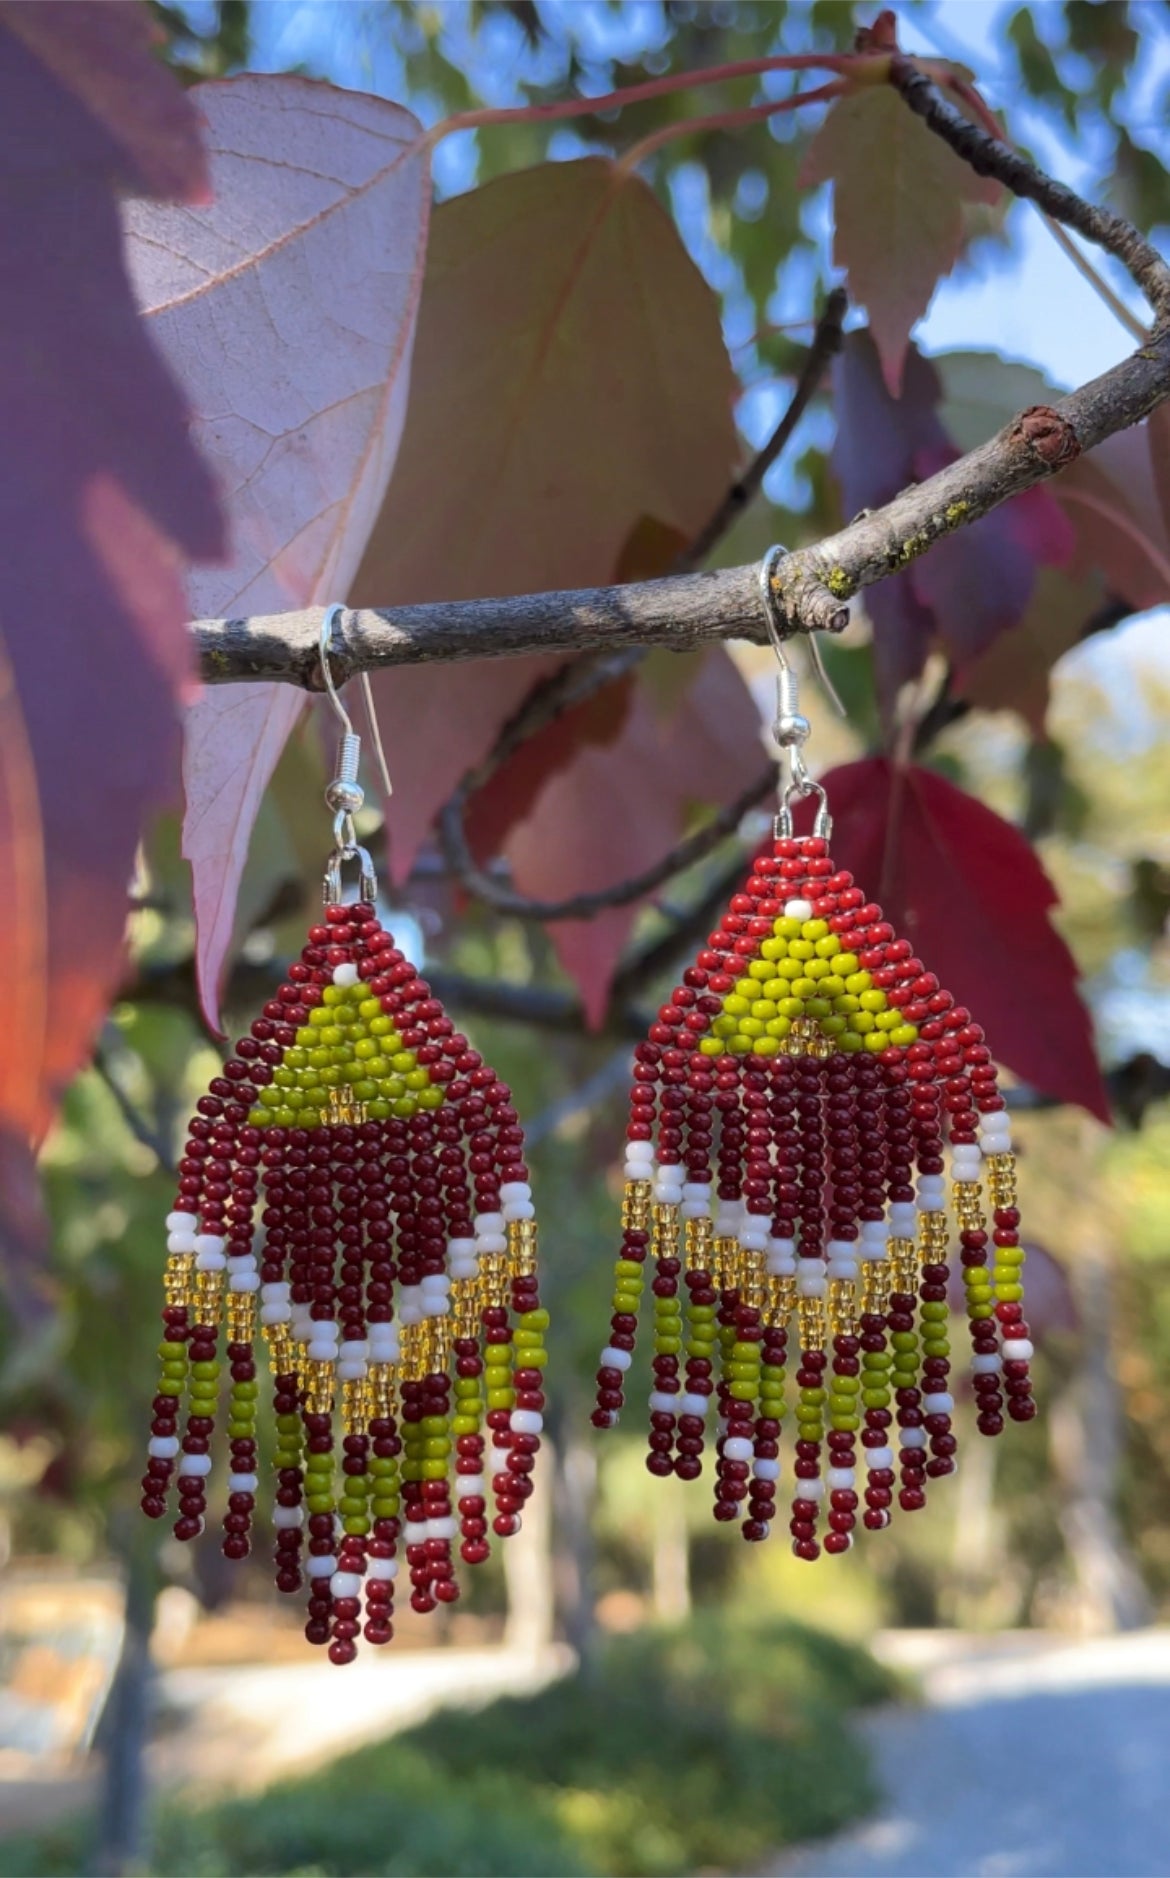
x: 785, y: 1183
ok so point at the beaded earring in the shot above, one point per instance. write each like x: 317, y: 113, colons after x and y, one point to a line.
x: 354, y: 1184
x: 835, y: 1065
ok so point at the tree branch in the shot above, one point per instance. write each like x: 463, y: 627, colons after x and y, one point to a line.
x: 813, y: 583
x: 692, y: 848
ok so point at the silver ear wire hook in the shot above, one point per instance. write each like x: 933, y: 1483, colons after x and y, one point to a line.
x: 791, y: 728
x: 344, y: 793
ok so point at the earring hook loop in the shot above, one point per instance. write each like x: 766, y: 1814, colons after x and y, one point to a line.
x: 345, y: 794
x: 791, y: 729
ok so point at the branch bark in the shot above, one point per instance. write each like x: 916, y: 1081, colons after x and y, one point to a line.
x: 812, y: 584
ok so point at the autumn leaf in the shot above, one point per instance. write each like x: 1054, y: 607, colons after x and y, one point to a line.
x: 570, y: 379
x: 287, y: 309
x: 969, y: 893
x: 1117, y: 497
x: 972, y: 585
x: 1014, y: 674
x: 898, y: 201
x: 104, y: 498
x: 620, y: 807
x: 102, y: 54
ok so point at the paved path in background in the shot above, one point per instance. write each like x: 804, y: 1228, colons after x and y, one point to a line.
x: 1029, y: 1758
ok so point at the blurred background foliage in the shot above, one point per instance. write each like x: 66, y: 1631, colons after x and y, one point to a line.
x: 1068, y: 1523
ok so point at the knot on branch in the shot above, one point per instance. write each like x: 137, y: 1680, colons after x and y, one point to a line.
x: 1046, y: 436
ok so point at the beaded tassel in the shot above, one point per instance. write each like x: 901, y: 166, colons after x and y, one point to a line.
x: 811, y: 1273
x: 394, y: 1284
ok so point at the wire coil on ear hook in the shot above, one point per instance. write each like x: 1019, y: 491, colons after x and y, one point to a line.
x: 791, y: 729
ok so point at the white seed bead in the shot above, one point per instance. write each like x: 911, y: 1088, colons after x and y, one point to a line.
x: 752, y: 1239
x: 243, y: 1483
x: 345, y: 975
x: 766, y: 1470
x: 346, y: 1584
x: 210, y: 1242
x: 798, y: 909
x: 842, y: 1268
x: 470, y: 1486
x: 180, y: 1242
x: 287, y: 1517
x: 663, y: 1404
x: 275, y: 1313
x: 903, y: 1219
x: 194, y: 1463
x: 668, y: 1192
x: 878, y: 1457
x: 415, y: 1532
x: 697, y: 1190
x: 488, y: 1223
x: 442, y: 1528
x: 513, y: 1190
x: 461, y: 1248
x: 209, y: 1261
x: 736, y: 1448
x: 639, y: 1151
x: 276, y: 1293
x: 321, y: 1567
x: 526, y: 1422
x: 322, y: 1351
x: 163, y: 1447
x: 491, y: 1242
x: 244, y: 1281
x: 382, y: 1568
x: 912, y: 1437
x: 808, y: 1489
x: 181, y: 1222
x: 614, y: 1359
x: 985, y: 1365
x: 352, y: 1370
x: 941, y: 1404
x: 519, y: 1209
x: 693, y: 1404
x: 1018, y: 1349
x: 841, y: 1479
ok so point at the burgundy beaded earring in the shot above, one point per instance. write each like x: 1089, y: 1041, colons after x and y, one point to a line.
x: 821, y: 1066
x: 354, y: 1183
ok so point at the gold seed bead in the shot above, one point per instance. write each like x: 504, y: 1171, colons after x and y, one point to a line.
x: 812, y: 1324
x: 353, y: 1420
x: 664, y: 1231
x: 781, y: 1302
x: 752, y: 1278
x: 209, y: 1297
x: 177, y: 1280
x: 465, y: 1306
x: 875, y: 1286
x: 412, y: 1352
x: 320, y: 1377
x: 636, y: 1205
x: 725, y: 1264
x: 521, y: 1248
x: 697, y: 1240
x: 842, y: 1307
x: 903, y: 1262
x: 381, y: 1380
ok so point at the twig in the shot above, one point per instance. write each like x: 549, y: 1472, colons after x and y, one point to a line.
x: 585, y: 676
x: 695, y: 847
x: 138, y: 1124
x: 826, y: 341
x: 990, y: 156
x: 598, y: 1088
